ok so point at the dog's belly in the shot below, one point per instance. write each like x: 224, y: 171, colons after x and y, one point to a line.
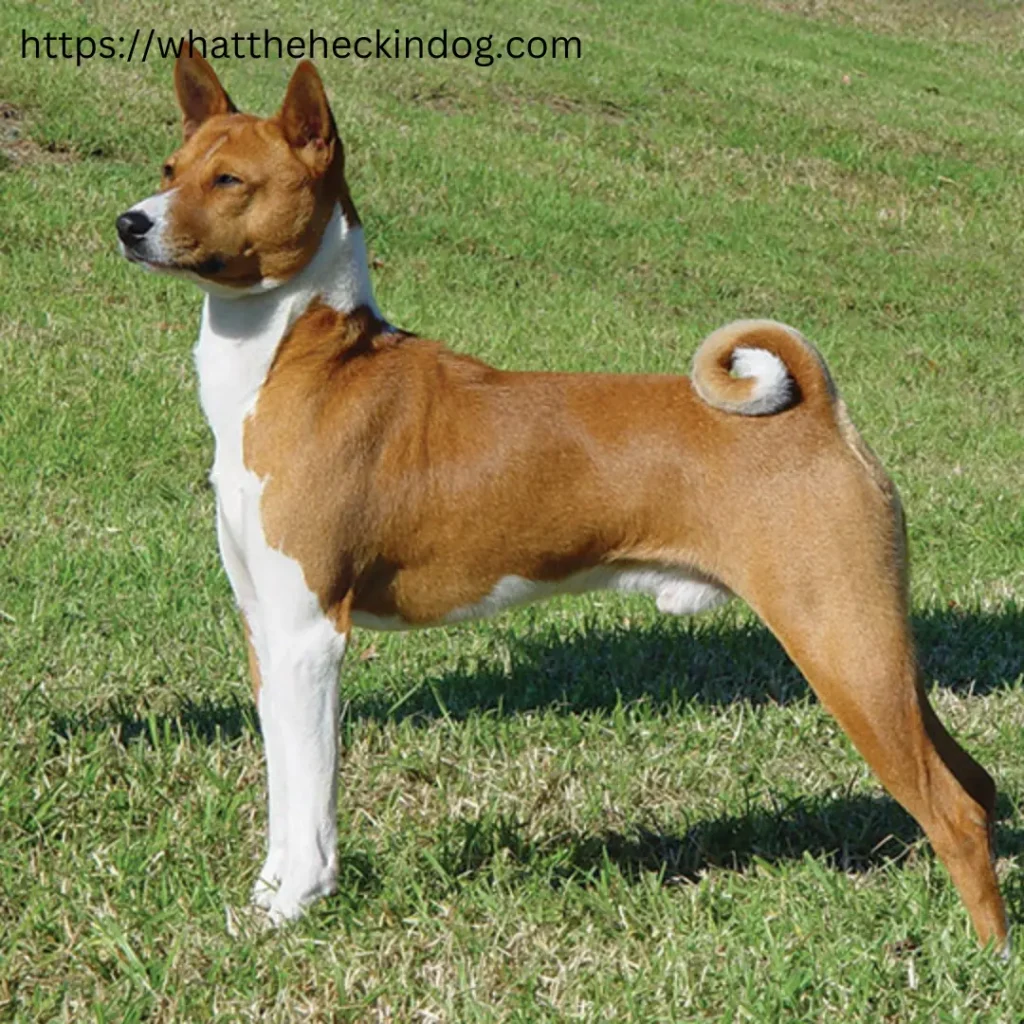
x: 676, y: 592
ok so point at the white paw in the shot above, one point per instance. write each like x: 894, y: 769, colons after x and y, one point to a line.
x: 268, y: 881
x: 298, y: 891
x: 264, y: 891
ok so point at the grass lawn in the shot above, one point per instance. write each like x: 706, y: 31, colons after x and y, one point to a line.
x: 581, y: 811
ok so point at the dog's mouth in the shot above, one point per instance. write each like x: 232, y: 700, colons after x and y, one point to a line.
x: 204, y: 268
x: 134, y: 256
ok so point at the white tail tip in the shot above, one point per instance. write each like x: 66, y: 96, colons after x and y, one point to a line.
x: 774, y: 388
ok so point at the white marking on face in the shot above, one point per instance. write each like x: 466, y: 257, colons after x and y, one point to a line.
x: 155, y: 207
x: 154, y: 254
x: 152, y: 248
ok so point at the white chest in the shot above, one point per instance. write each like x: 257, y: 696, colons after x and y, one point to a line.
x: 228, y: 388
x: 232, y: 368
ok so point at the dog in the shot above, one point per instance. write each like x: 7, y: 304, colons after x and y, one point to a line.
x: 367, y: 477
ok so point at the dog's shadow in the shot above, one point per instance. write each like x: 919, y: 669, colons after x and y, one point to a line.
x: 852, y: 834
x: 714, y: 663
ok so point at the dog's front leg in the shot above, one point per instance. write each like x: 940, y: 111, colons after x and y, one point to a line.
x: 253, y: 620
x: 299, y: 715
x: 268, y: 881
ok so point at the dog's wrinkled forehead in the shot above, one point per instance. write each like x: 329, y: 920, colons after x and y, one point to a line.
x: 205, y: 143
x: 237, y: 144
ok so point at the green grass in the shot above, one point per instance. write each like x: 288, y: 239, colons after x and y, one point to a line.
x: 579, y: 811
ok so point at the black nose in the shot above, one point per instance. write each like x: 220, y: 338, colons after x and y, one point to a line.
x: 132, y: 226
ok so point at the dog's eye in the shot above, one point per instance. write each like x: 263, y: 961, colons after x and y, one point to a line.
x: 223, y: 180
x: 168, y: 171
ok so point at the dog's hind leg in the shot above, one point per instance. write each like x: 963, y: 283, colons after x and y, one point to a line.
x: 864, y: 673
x: 831, y: 584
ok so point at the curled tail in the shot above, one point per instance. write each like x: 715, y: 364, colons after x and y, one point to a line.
x: 760, y: 367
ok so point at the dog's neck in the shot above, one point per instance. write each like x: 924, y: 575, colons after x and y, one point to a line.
x: 241, y: 331
x: 338, y: 274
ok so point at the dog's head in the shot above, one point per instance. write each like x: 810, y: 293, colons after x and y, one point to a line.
x: 244, y: 201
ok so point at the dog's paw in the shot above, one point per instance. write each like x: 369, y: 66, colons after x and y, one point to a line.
x: 268, y: 882
x: 282, y: 910
x: 264, y: 891
x: 292, y: 897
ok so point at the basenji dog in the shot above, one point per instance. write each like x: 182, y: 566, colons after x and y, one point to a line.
x: 367, y: 477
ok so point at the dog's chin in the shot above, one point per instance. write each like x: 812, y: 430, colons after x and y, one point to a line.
x: 192, y: 271
x: 132, y: 256
x: 151, y: 263
x: 199, y: 273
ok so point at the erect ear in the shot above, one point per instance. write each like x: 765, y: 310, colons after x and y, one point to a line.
x: 306, y: 118
x: 200, y: 94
